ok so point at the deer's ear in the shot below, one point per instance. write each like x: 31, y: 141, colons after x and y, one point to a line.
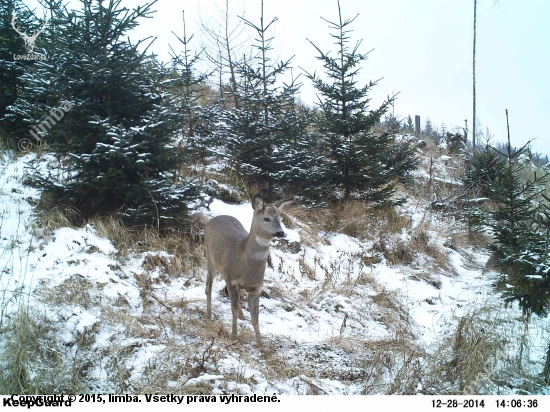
x: 282, y: 204
x: 258, y: 202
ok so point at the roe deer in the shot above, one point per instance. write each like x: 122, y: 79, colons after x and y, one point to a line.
x: 240, y: 257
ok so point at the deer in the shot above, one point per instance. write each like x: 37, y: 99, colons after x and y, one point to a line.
x: 29, y: 40
x: 240, y: 257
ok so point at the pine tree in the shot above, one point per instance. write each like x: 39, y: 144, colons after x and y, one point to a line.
x: 353, y: 149
x: 117, y: 139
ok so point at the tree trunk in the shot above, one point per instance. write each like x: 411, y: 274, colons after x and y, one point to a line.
x: 523, y: 338
x: 546, y: 371
x: 229, y: 59
x: 108, y: 94
x: 266, y: 108
x: 474, y: 79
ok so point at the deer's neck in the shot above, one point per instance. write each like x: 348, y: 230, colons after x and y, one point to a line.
x: 256, y: 247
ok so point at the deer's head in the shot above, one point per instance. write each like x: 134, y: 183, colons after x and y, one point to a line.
x: 267, y: 222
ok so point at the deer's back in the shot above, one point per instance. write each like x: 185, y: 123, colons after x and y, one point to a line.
x: 225, y: 239
x: 224, y: 235
x: 226, y: 226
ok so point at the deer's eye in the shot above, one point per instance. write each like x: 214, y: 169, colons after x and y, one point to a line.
x: 266, y: 219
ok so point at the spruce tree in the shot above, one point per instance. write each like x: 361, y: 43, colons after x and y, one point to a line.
x: 301, y: 157
x: 408, y: 125
x: 354, y: 151
x: 188, y: 88
x: 12, y: 69
x: 454, y: 143
x: 521, y: 231
x: 116, y: 141
x: 400, y: 158
x: 484, y: 170
x: 428, y: 129
x: 255, y: 130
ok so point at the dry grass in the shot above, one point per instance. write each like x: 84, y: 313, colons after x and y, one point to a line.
x: 75, y: 290
x: 35, y: 361
x: 374, y: 366
x: 6, y: 142
x: 180, y: 347
x: 396, y: 252
x: 123, y: 237
x: 50, y: 218
x: 474, y: 344
x: 422, y: 242
x: 354, y: 219
x: 365, y: 222
x: 183, y: 347
x: 310, y: 221
x: 402, y: 244
x: 390, y: 233
x: 457, y: 240
x: 184, y: 249
x: 473, y: 357
x: 186, y: 254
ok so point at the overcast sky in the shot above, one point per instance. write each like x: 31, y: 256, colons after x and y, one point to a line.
x: 422, y: 49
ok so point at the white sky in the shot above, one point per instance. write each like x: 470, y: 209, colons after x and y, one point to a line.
x: 422, y: 49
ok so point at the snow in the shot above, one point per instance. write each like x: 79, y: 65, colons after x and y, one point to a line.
x: 242, y: 212
x: 313, y: 297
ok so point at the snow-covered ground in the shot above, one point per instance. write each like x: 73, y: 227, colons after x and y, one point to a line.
x: 329, y: 318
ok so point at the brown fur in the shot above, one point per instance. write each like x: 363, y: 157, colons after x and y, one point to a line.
x: 240, y: 257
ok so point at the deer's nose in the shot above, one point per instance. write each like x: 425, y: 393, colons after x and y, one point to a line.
x: 280, y: 234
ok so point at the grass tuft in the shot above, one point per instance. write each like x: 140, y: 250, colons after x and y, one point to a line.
x: 35, y: 361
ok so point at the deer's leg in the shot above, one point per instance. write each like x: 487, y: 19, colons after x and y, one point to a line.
x: 234, y: 297
x: 209, y: 280
x: 254, y: 307
x: 241, y: 314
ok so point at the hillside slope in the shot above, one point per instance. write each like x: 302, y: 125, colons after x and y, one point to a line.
x: 397, y: 304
